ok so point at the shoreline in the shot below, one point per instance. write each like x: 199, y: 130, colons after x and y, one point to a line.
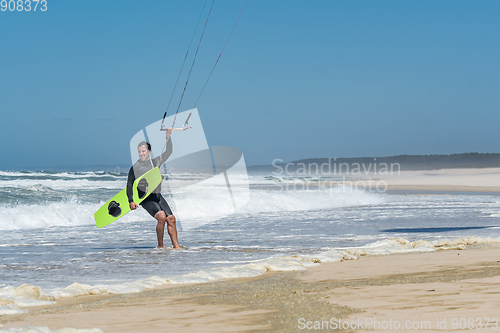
x: 471, y: 180
x: 485, y: 180
x: 411, y: 286
x: 391, y: 189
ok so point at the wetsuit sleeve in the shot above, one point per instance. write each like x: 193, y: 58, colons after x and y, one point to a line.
x: 168, y: 151
x: 130, y: 185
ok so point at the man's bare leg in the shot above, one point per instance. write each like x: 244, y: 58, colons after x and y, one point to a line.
x: 171, y: 229
x: 160, y: 226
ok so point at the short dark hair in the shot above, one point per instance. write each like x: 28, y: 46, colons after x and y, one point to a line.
x: 144, y: 143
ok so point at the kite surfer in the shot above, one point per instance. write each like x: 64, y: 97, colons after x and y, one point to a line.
x: 155, y: 204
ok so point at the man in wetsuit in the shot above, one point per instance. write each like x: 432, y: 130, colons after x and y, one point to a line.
x: 155, y: 204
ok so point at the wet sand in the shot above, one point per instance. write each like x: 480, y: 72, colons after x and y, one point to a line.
x: 438, y: 288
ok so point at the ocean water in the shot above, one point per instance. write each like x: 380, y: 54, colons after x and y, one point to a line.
x: 50, y: 247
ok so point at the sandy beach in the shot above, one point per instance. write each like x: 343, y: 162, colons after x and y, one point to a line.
x: 433, y: 291
x: 439, y: 291
x: 444, y: 180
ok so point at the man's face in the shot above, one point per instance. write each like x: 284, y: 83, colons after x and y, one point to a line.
x: 143, y: 153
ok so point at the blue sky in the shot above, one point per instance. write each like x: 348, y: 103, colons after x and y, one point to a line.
x: 298, y: 79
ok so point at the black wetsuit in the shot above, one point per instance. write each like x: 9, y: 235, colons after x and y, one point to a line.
x: 155, y: 201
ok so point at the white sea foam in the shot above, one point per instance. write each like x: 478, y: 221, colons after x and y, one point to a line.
x: 10, y: 310
x: 67, y: 213
x: 80, y: 289
x: 63, y: 184
x: 34, y: 174
x: 28, y: 295
x: 213, y: 200
x: 206, y: 196
x: 399, y: 245
x: 313, y: 199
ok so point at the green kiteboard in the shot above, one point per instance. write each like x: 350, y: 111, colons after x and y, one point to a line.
x: 118, y: 206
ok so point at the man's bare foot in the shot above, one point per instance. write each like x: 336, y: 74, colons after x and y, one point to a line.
x: 174, y: 248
